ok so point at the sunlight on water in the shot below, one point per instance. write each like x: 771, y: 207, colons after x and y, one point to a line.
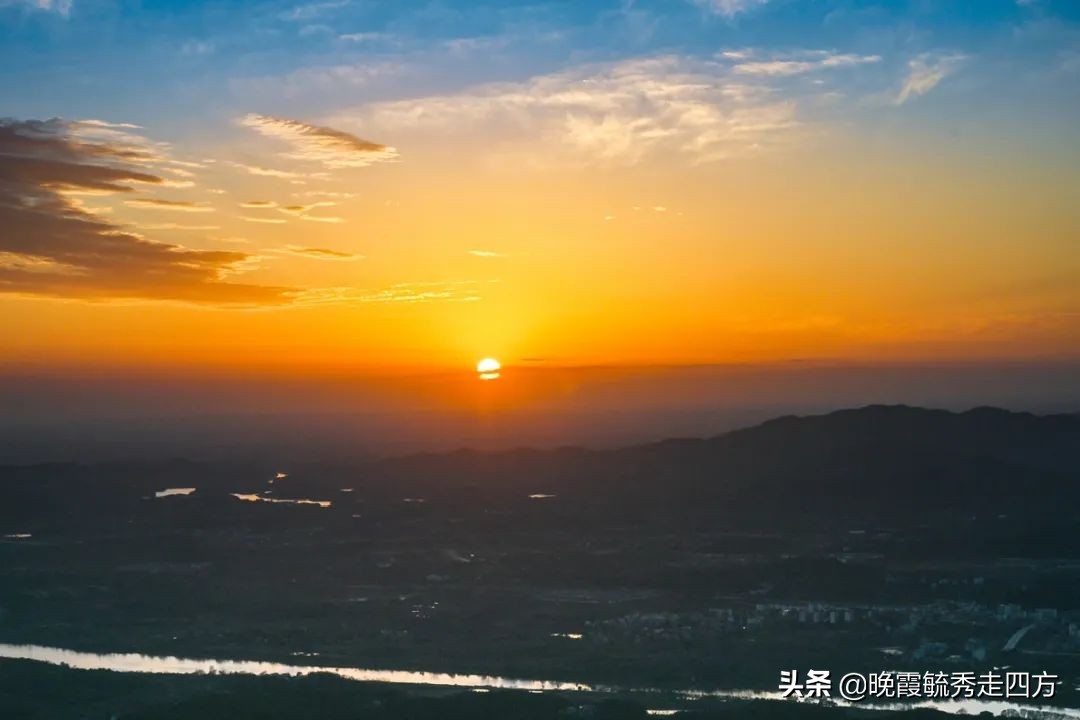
x: 133, y: 662
x: 169, y: 492
x: 251, y: 497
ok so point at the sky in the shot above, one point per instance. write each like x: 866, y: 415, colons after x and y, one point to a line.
x: 384, y: 187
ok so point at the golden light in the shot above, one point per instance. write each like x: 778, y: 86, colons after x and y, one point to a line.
x: 488, y: 368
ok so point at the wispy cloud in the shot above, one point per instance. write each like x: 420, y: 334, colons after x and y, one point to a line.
x: 315, y: 143
x: 174, y: 205
x: 60, y: 7
x: 612, y: 114
x: 486, y: 253
x: 365, y: 37
x: 258, y: 204
x: 400, y: 293
x: 318, y: 253
x: 336, y: 195
x: 264, y: 220
x: 302, y: 211
x: 800, y: 63
x: 729, y: 8
x: 196, y: 48
x: 320, y: 81
x: 308, y: 11
x: 52, y: 246
x: 177, y: 226
x: 262, y: 171
x: 925, y: 72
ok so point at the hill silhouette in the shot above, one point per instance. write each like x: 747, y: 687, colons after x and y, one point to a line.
x: 894, y: 460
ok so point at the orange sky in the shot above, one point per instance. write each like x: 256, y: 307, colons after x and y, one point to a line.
x: 813, y: 253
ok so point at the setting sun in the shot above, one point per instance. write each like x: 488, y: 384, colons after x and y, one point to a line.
x: 489, y: 368
x: 488, y: 365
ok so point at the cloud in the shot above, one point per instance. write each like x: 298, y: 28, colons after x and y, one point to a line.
x: 196, y: 48
x: 322, y: 218
x: 400, y: 293
x: 365, y: 37
x: 258, y: 204
x: 174, y: 205
x: 308, y: 11
x: 321, y: 253
x: 486, y: 253
x: 301, y: 211
x: 261, y: 171
x: 91, y: 122
x: 267, y: 221
x: 925, y: 72
x: 800, y: 64
x: 51, y: 246
x: 729, y: 8
x: 177, y: 226
x: 326, y: 194
x: 614, y: 114
x: 317, y: 82
x: 333, y: 148
x: 60, y: 7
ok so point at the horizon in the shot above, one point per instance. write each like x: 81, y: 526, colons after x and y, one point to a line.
x: 342, y: 416
x: 555, y: 449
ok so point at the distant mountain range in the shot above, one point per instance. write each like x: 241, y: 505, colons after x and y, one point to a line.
x: 883, y: 464
x: 891, y: 457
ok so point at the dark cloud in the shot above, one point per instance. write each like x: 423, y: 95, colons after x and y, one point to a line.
x: 52, y: 246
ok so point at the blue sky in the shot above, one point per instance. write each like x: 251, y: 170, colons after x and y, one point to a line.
x: 109, y: 59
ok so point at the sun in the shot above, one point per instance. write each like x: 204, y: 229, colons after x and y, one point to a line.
x: 488, y: 365
x: 488, y: 369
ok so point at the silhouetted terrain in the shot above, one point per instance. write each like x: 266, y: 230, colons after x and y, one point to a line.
x: 883, y: 537
x: 887, y: 464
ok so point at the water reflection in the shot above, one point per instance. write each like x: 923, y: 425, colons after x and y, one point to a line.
x: 252, y: 497
x: 168, y: 492
x: 133, y: 662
